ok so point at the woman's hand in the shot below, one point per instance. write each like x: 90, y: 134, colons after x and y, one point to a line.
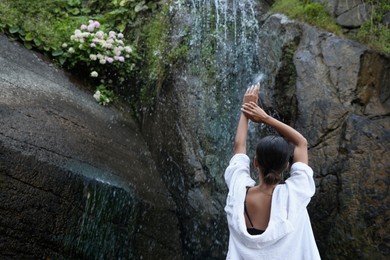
x: 252, y: 94
x: 254, y: 112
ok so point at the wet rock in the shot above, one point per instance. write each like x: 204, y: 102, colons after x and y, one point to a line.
x: 77, y: 180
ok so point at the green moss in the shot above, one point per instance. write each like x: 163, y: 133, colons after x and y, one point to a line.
x: 159, y: 53
x: 43, y: 25
x: 155, y: 34
x: 312, y: 13
x: 285, y: 84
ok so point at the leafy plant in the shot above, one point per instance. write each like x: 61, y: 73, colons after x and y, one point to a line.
x: 313, y: 13
x: 45, y: 25
x: 372, y: 33
x: 103, y: 95
x: 101, y: 52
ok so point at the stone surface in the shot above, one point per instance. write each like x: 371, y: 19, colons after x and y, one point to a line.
x: 347, y: 124
x: 76, y: 178
x: 386, y: 20
x: 349, y: 13
x: 354, y: 17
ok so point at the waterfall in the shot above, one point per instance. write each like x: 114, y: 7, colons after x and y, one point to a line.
x: 224, y: 45
x: 228, y: 30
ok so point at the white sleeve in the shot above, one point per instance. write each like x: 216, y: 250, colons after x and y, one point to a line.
x: 238, y: 165
x: 300, y: 186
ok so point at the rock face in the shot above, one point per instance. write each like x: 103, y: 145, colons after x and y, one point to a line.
x: 334, y: 91
x: 76, y: 178
x: 349, y: 13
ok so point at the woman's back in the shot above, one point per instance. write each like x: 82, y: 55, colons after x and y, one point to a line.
x: 258, y: 207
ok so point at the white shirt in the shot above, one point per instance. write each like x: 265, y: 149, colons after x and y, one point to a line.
x: 289, y: 235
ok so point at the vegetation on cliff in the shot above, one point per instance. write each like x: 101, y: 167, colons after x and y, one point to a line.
x: 54, y: 27
x: 46, y: 25
x: 372, y: 33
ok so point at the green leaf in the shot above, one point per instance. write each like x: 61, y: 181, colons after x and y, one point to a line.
x: 29, y: 36
x: 14, y: 29
x: 123, y: 3
x: 62, y: 60
x: 56, y: 53
x: 140, y: 7
x: 57, y: 10
x: 121, y: 27
x: 73, y: 2
x: 37, y: 42
x: 27, y: 45
x: 85, y: 10
x: 75, y: 11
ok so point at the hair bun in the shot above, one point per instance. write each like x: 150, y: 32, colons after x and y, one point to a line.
x: 272, y: 177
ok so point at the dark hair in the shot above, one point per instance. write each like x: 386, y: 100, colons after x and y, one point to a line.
x: 272, y: 154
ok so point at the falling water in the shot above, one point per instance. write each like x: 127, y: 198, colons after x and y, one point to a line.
x: 226, y: 30
x: 224, y: 46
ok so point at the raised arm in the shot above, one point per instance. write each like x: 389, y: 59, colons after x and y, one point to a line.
x: 251, y: 95
x: 256, y: 114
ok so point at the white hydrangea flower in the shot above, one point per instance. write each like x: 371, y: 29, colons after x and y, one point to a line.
x: 97, y: 95
x: 94, y: 74
x: 102, y: 43
x: 64, y: 45
x: 93, y: 56
x: 108, y: 45
x: 128, y: 49
x: 99, y: 34
x: 112, y: 34
x: 91, y: 27
x: 71, y: 50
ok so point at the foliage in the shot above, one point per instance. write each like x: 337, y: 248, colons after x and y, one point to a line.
x: 45, y: 25
x: 101, y: 52
x: 103, y: 95
x: 39, y: 24
x: 313, y: 13
x: 371, y: 33
x: 120, y: 14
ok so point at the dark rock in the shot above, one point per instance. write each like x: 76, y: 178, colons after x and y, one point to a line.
x: 354, y: 17
x: 349, y: 14
x: 386, y: 19
x: 77, y: 179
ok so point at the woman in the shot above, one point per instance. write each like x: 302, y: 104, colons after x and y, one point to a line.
x: 269, y: 220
